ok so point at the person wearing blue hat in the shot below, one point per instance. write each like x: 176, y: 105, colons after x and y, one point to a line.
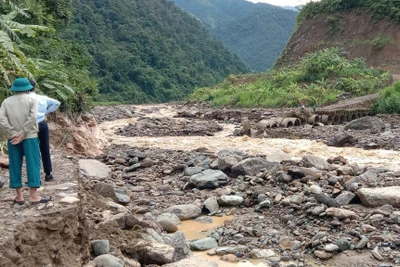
x: 18, y: 118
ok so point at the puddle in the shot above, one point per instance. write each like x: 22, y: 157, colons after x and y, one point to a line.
x: 196, y: 230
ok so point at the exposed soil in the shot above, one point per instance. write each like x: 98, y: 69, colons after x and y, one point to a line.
x: 356, y: 41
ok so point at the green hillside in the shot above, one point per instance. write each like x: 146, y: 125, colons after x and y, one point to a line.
x: 148, y: 50
x: 257, y: 33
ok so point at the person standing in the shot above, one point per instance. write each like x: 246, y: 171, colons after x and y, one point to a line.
x: 18, y: 118
x: 46, y: 105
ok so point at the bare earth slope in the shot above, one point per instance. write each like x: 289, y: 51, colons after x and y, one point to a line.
x: 357, y: 35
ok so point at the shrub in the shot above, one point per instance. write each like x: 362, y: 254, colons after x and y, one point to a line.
x: 389, y: 100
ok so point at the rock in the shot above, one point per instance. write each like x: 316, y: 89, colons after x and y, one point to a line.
x: 261, y: 253
x: 366, y: 123
x: 208, y: 179
x: 343, y: 244
x: 94, y: 169
x: 108, y: 260
x: 375, y: 197
x: 315, y: 189
x: 67, y: 199
x: 322, y: 255
x: 230, y: 200
x: 318, y: 210
x: 341, y: 139
x: 246, y: 127
x: 230, y: 258
x: 312, y: 161
x: 168, y: 225
x: 230, y: 152
x: 130, y: 262
x: 191, y: 262
x: 331, y: 248
x: 252, y: 166
x: 345, y: 170
x: 204, y: 244
x: 325, y: 199
x: 386, y: 210
x: 185, y: 212
x: 136, y: 154
x: 189, y: 171
x: 376, y: 254
x: 122, y: 198
x: 170, y: 217
x: 150, y: 252
x: 225, y: 163
x: 368, y: 228
x: 283, y: 177
x: 345, y: 198
x: 341, y: 213
x: 231, y: 250
x: 369, y: 175
x: 278, y: 156
x: 178, y: 242
x: 300, y: 172
x: 101, y: 247
x: 106, y: 190
x: 362, y: 243
x: 211, y: 204
x: 296, y: 199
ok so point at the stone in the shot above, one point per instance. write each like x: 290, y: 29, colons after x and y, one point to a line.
x: 211, y: 205
x: 108, y: 260
x: 64, y: 186
x: 230, y: 200
x: 278, y: 156
x: 300, y: 172
x: 185, y: 212
x: 345, y: 198
x: 225, y: 163
x: 362, y: 243
x: 168, y: 225
x: 296, y: 199
x: 252, y: 166
x: 69, y: 200
x: 229, y: 152
x: 208, y: 179
x: 151, y: 252
x: 331, y: 248
x: 170, y: 217
x: 101, y: 247
x: 189, y: 171
x: 341, y: 213
x: 262, y: 253
x: 325, y: 199
x: 376, y: 254
x: 204, y: 244
x: 231, y: 250
x: 130, y: 262
x: 376, y: 197
x: 136, y: 154
x: 178, y: 242
x: 343, y: 244
x: 322, y: 255
x: 117, y: 207
x: 366, y: 123
x: 341, y: 139
x: 105, y: 190
x: 122, y: 198
x: 312, y: 161
x: 94, y: 169
x: 368, y: 228
x: 315, y: 189
x: 369, y: 175
x: 191, y: 262
x: 345, y: 170
x: 230, y: 258
x: 147, y: 163
x: 318, y: 210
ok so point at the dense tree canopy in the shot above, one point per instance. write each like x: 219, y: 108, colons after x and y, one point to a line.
x: 148, y: 50
x: 257, y: 33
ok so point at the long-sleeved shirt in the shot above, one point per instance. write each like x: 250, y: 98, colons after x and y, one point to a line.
x: 46, y: 105
x: 18, y: 115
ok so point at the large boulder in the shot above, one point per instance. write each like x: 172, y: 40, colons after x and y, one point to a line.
x: 225, y: 163
x: 278, y: 156
x: 366, y: 123
x: 211, y: 204
x: 368, y: 176
x: 94, y: 169
x: 208, y: 179
x: 204, y: 244
x: 151, y: 252
x: 376, y: 197
x: 178, y: 242
x: 312, y: 161
x: 252, y: 166
x: 185, y: 212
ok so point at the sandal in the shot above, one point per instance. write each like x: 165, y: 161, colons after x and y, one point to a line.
x: 19, y: 202
x: 42, y: 200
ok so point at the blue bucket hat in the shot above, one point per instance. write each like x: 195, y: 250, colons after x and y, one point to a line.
x: 21, y: 85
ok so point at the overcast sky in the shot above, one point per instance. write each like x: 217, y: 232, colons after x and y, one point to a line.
x: 282, y: 2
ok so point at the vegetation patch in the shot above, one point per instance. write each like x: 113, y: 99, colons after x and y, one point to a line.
x: 380, y: 9
x: 389, y: 100
x: 333, y: 25
x: 317, y: 80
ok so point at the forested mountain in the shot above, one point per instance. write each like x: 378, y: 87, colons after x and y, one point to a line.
x: 257, y: 33
x: 148, y: 50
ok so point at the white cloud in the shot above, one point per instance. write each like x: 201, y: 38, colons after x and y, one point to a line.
x: 282, y: 2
